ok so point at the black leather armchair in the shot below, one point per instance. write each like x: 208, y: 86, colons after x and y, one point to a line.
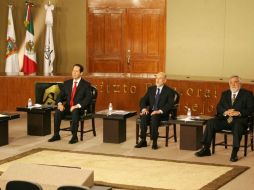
x: 89, y: 114
x: 73, y: 187
x: 248, y: 133
x: 47, y: 92
x: 20, y: 184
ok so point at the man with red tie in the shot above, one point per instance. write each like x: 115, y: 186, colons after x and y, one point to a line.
x: 74, y: 97
x: 155, y: 107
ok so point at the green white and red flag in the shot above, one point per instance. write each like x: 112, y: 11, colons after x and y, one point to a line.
x: 29, y: 61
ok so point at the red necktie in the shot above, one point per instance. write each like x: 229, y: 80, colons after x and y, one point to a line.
x: 73, y: 93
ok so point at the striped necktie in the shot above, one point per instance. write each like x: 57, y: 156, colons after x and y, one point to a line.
x: 233, y: 98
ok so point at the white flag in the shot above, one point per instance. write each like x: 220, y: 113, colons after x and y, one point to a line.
x: 12, y: 63
x: 49, y: 51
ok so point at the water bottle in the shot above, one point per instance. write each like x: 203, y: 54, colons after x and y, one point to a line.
x: 189, y: 113
x: 29, y: 103
x: 110, y: 108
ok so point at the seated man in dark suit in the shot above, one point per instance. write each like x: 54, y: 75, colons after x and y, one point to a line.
x: 155, y: 106
x: 74, y: 97
x: 232, y: 111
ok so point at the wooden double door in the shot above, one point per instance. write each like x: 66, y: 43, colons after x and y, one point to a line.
x: 126, y: 39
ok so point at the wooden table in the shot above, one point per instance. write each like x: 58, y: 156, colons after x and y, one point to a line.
x: 114, y: 125
x: 38, y: 120
x: 191, y: 131
x: 4, y: 126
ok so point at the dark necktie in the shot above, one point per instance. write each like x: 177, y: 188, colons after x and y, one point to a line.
x: 157, y: 96
x: 233, y: 98
x: 230, y: 119
x: 73, y: 94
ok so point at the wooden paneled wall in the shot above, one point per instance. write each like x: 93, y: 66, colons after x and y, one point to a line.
x: 124, y: 92
x: 126, y: 36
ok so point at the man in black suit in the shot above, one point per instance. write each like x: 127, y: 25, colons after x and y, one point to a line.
x: 155, y: 106
x: 232, y: 111
x: 74, y: 97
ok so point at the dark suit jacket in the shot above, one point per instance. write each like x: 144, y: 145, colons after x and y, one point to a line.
x: 244, y: 103
x: 166, y: 100
x: 82, y: 95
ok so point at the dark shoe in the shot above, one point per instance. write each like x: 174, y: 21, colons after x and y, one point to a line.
x: 154, y: 146
x: 73, y: 140
x: 141, y: 144
x: 234, y: 157
x: 54, y: 138
x: 203, y: 152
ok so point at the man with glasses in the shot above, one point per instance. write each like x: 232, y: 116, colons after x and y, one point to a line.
x: 233, y: 109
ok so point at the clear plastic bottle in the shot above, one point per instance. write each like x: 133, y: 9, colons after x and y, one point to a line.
x: 110, y: 108
x: 189, y: 113
x: 29, y: 103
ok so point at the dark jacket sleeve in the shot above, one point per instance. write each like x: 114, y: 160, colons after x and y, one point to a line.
x: 169, y: 102
x: 144, y: 101
x: 222, y: 104
x: 62, y: 97
x: 86, y: 99
x: 248, y: 107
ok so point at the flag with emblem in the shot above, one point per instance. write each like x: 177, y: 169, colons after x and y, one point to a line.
x: 12, y: 63
x: 49, y: 51
x: 29, y: 61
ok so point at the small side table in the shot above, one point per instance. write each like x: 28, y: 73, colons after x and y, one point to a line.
x: 4, y: 126
x: 191, y: 131
x: 114, y: 125
x: 38, y: 120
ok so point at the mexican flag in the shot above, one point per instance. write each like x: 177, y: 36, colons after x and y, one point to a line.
x: 29, y: 61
